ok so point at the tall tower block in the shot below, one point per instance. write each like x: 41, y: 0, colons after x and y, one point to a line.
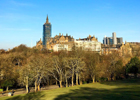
x: 114, y: 38
x: 105, y: 40
x: 46, y: 31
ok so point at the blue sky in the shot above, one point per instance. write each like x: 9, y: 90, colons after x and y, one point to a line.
x: 21, y: 21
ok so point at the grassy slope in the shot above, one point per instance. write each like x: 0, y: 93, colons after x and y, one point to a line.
x: 119, y: 90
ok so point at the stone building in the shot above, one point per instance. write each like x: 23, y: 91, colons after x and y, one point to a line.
x: 125, y: 49
x: 122, y: 49
x: 39, y: 44
x: 60, y: 42
x: 107, y: 49
x: 90, y: 38
x: 135, y: 48
x: 88, y: 44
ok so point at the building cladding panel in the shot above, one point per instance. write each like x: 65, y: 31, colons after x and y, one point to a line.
x: 111, y: 41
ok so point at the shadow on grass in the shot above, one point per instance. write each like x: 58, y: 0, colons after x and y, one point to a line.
x: 29, y: 96
x: 86, y: 93
x: 123, y: 82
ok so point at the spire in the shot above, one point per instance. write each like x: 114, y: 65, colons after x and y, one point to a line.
x: 47, y: 20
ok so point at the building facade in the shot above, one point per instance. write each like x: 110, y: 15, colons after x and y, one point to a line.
x: 108, y: 41
x: 88, y: 44
x: 60, y: 42
x: 39, y: 44
x: 114, y: 38
x: 122, y: 49
x: 119, y: 40
x: 125, y: 49
x: 46, y: 32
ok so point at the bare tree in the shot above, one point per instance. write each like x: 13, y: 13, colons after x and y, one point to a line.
x: 57, y: 69
x: 77, y: 66
x: 25, y: 76
x: 92, y: 60
x: 39, y: 65
x: 67, y: 71
x: 7, y: 70
x: 111, y: 61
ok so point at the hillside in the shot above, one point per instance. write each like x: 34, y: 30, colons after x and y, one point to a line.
x: 116, y: 90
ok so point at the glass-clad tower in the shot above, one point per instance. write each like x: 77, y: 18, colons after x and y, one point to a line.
x: 46, y: 32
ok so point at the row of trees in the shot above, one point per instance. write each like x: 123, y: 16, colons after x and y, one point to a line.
x: 23, y: 66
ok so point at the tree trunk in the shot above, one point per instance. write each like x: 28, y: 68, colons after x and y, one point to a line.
x: 35, y: 86
x: 72, y: 79
x: 93, y: 79
x: 38, y: 87
x: 80, y: 80
x: 51, y: 81
x: 7, y: 88
x: 109, y: 79
x: 114, y: 77
x: 111, y: 76
x: 27, y: 88
x: 66, y: 82
x: 76, y: 78
x: 56, y: 82
x: 60, y: 81
x: 47, y: 81
x: 72, y: 76
x: 27, y: 84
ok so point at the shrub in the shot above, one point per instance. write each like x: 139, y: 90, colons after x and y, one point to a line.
x: 84, y: 82
x: 103, y: 79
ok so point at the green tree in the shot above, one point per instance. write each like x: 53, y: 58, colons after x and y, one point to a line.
x: 8, y: 83
x: 133, y: 66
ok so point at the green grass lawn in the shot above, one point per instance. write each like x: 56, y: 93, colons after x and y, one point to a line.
x: 116, y: 90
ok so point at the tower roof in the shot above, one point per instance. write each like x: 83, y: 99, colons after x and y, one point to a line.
x: 47, y: 20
